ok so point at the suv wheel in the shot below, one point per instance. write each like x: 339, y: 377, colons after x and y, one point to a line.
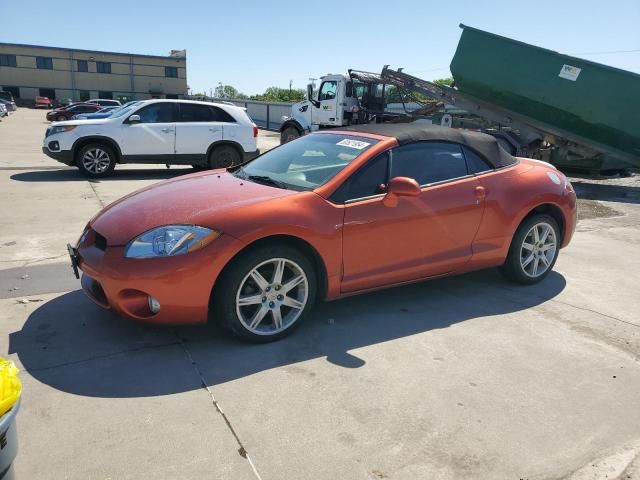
x: 96, y: 160
x: 224, y: 156
x: 265, y: 293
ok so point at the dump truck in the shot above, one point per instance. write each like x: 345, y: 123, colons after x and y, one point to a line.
x: 539, y: 103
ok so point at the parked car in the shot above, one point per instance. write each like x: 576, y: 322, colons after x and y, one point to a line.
x: 104, y: 112
x: 8, y: 96
x: 43, y: 102
x: 332, y: 214
x: 10, y: 106
x: 3, y: 110
x: 65, y: 113
x: 105, y: 102
x: 155, y: 131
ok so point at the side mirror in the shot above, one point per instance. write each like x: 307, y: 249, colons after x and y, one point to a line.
x: 315, y: 103
x: 400, y: 187
x: 134, y: 119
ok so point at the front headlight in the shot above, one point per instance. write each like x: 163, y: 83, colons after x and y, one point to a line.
x: 60, y: 129
x: 169, y: 241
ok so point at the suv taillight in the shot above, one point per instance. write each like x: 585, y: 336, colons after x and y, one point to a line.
x: 255, y: 131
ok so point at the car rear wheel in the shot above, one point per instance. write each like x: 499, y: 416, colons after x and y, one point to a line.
x: 289, y: 134
x: 96, y: 160
x: 224, y: 156
x: 534, y: 250
x: 265, y: 293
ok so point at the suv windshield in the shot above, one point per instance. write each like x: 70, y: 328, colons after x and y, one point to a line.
x: 306, y: 163
x: 123, y: 110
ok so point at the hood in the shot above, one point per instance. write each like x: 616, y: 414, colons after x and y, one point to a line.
x: 97, y: 121
x: 198, y: 199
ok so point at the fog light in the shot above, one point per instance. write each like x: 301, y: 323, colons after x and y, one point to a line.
x: 154, y: 304
x: 54, y: 146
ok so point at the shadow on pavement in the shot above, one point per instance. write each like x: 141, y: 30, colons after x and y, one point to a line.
x: 73, y: 175
x: 73, y: 346
x: 607, y: 193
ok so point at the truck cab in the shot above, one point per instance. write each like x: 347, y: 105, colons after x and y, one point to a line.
x: 339, y: 101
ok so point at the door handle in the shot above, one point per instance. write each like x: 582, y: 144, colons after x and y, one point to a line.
x: 481, y: 192
x: 167, y: 130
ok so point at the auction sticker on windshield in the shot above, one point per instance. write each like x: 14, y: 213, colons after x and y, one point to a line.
x: 357, y: 144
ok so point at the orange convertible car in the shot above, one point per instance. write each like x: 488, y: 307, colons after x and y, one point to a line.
x: 331, y: 214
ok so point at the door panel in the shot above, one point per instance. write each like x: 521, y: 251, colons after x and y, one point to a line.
x: 196, y: 131
x: 328, y: 113
x: 153, y: 139
x: 420, y: 237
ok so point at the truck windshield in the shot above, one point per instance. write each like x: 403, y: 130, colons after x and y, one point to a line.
x: 306, y: 163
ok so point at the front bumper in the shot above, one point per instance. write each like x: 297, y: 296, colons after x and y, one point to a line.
x: 62, y: 156
x: 182, y: 284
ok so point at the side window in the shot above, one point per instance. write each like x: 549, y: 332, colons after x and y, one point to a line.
x: 369, y: 180
x: 349, y: 90
x: 157, y: 113
x: 219, y: 115
x: 328, y: 91
x: 428, y: 162
x: 190, y: 112
x: 475, y: 163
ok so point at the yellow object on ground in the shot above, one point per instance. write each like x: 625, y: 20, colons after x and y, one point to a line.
x: 10, y: 386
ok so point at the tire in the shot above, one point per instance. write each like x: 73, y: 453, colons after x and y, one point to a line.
x: 520, y: 267
x: 289, y: 134
x: 224, y: 156
x: 96, y: 160
x: 60, y: 118
x: 269, y: 300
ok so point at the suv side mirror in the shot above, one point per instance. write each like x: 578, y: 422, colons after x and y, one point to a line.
x: 134, y: 119
x: 400, y: 187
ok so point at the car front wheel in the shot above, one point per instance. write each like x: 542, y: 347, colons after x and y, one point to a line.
x: 96, y: 160
x: 265, y: 293
x: 534, y: 250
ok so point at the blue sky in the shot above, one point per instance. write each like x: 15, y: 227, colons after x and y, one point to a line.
x: 256, y: 44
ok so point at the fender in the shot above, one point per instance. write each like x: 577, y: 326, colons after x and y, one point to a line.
x: 98, y: 138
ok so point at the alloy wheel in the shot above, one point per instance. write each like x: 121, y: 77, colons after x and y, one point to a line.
x: 96, y: 160
x: 538, y: 250
x: 272, y: 296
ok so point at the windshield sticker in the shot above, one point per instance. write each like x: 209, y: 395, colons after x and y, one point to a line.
x: 357, y: 144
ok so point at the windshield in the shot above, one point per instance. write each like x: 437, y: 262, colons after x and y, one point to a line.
x: 124, y: 110
x: 306, y: 163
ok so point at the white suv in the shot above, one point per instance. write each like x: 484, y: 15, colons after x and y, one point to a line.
x: 208, y: 135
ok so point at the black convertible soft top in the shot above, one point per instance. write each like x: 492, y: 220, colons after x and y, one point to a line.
x: 404, y: 133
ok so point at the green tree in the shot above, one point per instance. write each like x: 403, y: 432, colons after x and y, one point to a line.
x: 446, y: 82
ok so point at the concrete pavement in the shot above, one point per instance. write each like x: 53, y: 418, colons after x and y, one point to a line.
x: 467, y: 377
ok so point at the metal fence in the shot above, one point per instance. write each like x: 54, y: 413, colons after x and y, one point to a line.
x: 267, y: 115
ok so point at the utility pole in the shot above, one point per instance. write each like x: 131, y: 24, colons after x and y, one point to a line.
x: 290, y: 84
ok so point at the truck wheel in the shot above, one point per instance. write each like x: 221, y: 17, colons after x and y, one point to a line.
x: 534, y: 250
x: 224, y: 156
x: 265, y: 293
x: 96, y: 160
x: 289, y: 134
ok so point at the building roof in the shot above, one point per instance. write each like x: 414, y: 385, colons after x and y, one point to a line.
x: 404, y: 133
x: 172, y: 57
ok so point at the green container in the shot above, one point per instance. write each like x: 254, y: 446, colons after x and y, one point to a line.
x: 593, y: 104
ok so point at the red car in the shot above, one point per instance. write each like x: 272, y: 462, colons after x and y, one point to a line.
x: 43, y: 102
x: 66, y: 113
x: 331, y: 214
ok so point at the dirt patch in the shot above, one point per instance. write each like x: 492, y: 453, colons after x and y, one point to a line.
x: 594, y: 209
